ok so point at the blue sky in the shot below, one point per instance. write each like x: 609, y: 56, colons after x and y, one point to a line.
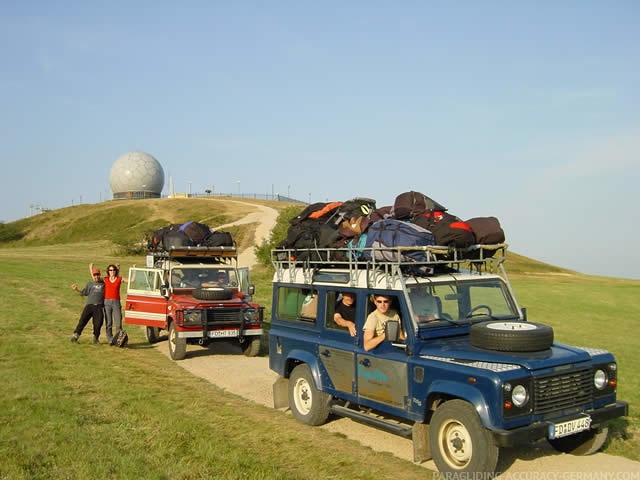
x: 528, y: 111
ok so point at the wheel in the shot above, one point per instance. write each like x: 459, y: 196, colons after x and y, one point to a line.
x: 479, y: 307
x: 308, y: 404
x: 152, y: 334
x: 583, y: 443
x: 459, y: 443
x: 177, y: 346
x: 251, y: 346
x: 511, y: 336
x: 213, y: 293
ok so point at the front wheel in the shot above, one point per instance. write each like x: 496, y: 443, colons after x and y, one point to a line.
x: 177, y: 346
x: 583, y: 443
x: 251, y: 347
x: 308, y: 404
x: 459, y: 443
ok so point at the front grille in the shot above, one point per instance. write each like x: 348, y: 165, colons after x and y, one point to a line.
x: 559, y: 392
x: 223, y: 316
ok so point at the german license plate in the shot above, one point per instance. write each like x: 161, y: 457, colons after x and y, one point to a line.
x: 558, y: 430
x: 224, y: 333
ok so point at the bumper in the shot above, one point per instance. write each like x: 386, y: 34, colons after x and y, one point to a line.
x: 221, y: 333
x: 536, y: 431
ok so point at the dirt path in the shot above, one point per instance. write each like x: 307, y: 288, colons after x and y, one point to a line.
x: 252, y: 379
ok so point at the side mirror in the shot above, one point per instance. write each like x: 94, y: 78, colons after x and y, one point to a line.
x: 164, y: 291
x: 392, y: 331
x: 524, y: 313
x: 252, y: 290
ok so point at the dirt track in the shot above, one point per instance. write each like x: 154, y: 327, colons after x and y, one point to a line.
x: 252, y: 379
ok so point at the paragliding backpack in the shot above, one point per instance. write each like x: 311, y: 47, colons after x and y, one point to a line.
x: 410, y: 204
x: 448, y: 229
x: 395, y: 233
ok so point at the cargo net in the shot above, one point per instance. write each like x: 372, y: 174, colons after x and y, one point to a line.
x: 420, y: 260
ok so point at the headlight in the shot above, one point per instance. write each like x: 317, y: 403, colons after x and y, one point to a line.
x: 192, y: 316
x: 251, y: 315
x: 600, y: 379
x: 519, y: 395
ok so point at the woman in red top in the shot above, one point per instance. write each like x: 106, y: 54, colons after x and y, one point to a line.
x: 112, y: 305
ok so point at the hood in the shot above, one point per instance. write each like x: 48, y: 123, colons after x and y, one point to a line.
x: 460, y: 349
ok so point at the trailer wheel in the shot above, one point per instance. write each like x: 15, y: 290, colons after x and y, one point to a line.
x: 177, y: 346
x: 583, y: 443
x: 511, y: 336
x: 459, y: 443
x: 308, y: 404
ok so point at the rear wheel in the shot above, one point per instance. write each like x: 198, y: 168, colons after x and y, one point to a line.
x: 308, y: 404
x: 177, y: 346
x: 152, y: 334
x: 251, y: 346
x: 583, y: 443
x: 459, y: 443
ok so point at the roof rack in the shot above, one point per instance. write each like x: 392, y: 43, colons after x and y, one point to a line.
x: 392, y: 261
x: 202, y: 254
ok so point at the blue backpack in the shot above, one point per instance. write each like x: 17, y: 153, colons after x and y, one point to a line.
x: 384, y: 234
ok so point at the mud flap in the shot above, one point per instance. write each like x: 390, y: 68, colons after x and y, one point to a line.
x: 281, y: 393
x: 420, y: 437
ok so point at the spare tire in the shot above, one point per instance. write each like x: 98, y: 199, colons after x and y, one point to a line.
x: 511, y: 336
x: 214, y: 293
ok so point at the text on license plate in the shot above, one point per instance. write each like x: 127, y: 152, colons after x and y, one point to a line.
x: 563, y: 429
x: 224, y: 333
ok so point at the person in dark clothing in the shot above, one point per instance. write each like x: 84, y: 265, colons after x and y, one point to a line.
x: 345, y: 312
x: 93, y: 309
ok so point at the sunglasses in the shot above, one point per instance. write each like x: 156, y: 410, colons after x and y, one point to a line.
x: 382, y: 301
x: 111, y: 270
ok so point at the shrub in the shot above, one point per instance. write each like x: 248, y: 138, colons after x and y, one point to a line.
x: 9, y: 233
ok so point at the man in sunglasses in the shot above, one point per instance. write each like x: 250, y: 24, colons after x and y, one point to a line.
x: 376, y: 321
x: 93, y: 309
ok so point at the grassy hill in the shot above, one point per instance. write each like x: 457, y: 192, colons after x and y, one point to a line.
x: 123, y: 409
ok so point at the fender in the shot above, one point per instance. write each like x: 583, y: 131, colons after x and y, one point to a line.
x: 302, y: 356
x: 464, y: 392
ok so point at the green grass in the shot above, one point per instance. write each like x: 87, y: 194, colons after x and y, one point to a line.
x: 85, y: 411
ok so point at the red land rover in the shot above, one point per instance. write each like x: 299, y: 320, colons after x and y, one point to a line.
x: 198, y: 295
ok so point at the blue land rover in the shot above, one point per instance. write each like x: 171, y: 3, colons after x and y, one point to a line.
x: 464, y: 379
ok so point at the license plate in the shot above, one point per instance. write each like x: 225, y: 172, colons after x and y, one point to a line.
x: 224, y: 333
x: 558, y: 430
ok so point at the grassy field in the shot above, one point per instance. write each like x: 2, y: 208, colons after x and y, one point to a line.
x: 84, y: 411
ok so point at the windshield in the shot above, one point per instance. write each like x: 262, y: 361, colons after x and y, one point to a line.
x: 203, y: 277
x: 461, y: 302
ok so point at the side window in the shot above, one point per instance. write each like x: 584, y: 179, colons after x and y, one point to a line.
x: 297, y: 304
x: 341, y: 304
x: 332, y: 299
x: 145, y: 280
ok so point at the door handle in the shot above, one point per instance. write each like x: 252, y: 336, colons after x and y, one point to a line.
x: 325, y: 353
x: 130, y: 307
x: 365, y: 362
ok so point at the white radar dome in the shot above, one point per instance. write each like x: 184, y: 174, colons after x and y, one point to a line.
x: 136, y: 175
